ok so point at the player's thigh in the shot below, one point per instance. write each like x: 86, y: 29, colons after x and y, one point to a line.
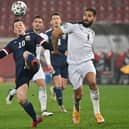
x: 57, y: 79
x: 64, y: 71
x: 75, y: 77
x: 40, y: 82
x: 90, y: 75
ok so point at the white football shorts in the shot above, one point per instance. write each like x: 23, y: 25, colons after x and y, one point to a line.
x: 39, y: 75
x: 77, y: 73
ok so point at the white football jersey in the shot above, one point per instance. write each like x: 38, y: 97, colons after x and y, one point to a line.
x: 80, y: 42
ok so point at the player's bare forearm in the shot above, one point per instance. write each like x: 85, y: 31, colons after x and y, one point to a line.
x: 55, y: 45
x: 55, y: 35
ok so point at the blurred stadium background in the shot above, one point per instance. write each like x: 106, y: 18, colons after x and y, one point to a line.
x: 112, y: 32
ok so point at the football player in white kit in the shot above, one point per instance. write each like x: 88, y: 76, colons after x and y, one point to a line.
x: 80, y: 55
x: 39, y: 77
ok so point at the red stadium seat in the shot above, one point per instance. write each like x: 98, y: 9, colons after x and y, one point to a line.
x: 71, y: 10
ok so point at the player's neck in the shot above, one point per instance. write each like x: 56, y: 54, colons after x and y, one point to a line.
x: 37, y: 31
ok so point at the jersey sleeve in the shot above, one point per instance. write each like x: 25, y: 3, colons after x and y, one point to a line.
x: 44, y: 36
x: 46, y: 44
x: 39, y: 40
x: 6, y: 50
x: 67, y: 28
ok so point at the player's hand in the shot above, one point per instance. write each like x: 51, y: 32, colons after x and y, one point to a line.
x: 66, y: 53
x: 55, y: 52
x: 50, y: 68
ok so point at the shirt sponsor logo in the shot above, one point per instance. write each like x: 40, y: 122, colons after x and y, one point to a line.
x: 27, y: 37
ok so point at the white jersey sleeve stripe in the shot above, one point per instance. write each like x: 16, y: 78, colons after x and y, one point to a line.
x: 45, y: 38
x: 5, y: 51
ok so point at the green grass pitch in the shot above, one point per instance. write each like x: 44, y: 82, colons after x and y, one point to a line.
x: 114, y: 107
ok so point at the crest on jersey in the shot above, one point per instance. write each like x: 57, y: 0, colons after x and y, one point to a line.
x: 27, y: 37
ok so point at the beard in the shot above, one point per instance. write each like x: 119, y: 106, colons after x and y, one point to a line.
x: 87, y: 24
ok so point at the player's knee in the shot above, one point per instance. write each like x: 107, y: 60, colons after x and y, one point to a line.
x: 64, y: 85
x: 92, y: 85
x: 25, y: 54
x: 78, y: 96
x: 40, y: 83
x: 57, y: 81
x: 21, y: 99
x: 79, y: 93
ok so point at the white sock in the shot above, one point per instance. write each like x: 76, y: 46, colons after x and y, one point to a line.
x: 94, y: 95
x: 12, y: 92
x: 43, y: 98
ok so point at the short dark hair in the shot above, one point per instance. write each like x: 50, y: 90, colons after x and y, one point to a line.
x: 55, y: 14
x: 93, y: 10
x: 38, y: 17
x: 17, y: 20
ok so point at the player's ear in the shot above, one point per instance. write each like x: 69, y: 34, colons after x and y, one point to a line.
x: 94, y: 18
x: 32, y: 23
x: 51, y: 22
x: 24, y: 27
x: 14, y: 29
x: 61, y: 20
